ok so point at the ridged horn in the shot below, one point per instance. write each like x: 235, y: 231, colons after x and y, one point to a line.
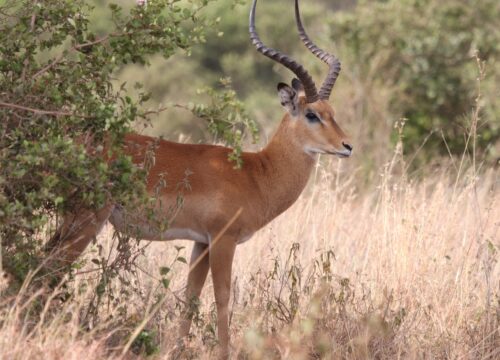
x: 285, y: 60
x: 329, y: 59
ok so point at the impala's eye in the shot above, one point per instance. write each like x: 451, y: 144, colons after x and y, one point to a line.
x: 312, y: 117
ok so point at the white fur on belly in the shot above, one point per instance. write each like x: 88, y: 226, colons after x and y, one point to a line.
x: 244, y: 239
x: 188, y: 234
x: 146, y: 232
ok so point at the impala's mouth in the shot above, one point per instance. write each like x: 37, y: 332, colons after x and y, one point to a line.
x: 340, y: 154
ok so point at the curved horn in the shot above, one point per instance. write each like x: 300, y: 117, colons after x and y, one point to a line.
x: 331, y: 60
x: 299, y: 70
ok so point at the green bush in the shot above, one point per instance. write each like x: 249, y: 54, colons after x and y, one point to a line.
x: 425, y: 51
x: 62, y: 116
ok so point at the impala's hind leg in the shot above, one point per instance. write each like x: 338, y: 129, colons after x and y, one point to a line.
x: 75, y: 234
x: 221, y: 261
x: 196, y: 279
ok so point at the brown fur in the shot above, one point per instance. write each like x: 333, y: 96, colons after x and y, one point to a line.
x: 267, y: 184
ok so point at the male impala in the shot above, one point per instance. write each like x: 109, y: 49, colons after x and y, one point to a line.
x: 226, y: 206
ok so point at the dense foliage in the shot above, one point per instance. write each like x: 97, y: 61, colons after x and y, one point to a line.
x: 62, y: 114
x: 426, y: 52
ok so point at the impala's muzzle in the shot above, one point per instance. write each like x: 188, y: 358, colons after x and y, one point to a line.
x: 347, y: 151
x: 344, y: 153
x: 347, y: 146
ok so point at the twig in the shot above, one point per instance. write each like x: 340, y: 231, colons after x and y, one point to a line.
x: 157, y: 112
x: 95, y: 42
x: 38, y: 111
x: 56, y: 60
x: 32, y: 22
x: 60, y: 57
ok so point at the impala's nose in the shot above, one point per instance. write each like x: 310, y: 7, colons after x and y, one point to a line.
x: 347, y: 146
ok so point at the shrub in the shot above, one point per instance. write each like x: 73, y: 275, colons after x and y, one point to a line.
x: 62, y: 116
x: 424, y: 50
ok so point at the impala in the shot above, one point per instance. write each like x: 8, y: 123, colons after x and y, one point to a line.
x: 225, y: 206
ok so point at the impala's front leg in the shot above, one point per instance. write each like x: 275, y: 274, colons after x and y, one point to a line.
x: 198, y: 270
x: 221, y: 261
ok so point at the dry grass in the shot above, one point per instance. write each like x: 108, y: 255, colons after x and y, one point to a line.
x: 402, y: 270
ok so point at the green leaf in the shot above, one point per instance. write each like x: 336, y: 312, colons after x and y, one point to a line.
x: 165, y: 282
x: 164, y: 270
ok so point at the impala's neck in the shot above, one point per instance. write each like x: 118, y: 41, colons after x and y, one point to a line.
x: 287, y: 168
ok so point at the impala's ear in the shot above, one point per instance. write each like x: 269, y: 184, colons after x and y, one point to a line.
x: 289, y: 98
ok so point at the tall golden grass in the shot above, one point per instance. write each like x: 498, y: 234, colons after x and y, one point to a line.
x: 404, y: 269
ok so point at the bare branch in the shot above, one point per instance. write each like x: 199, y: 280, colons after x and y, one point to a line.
x: 38, y: 111
x: 56, y: 60
x: 160, y: 110
x: 32, y: 22
x: 76, y: 47
x: 95, y: 42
